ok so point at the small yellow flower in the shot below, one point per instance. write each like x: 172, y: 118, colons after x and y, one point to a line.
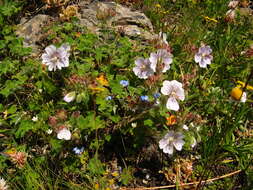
x: 96, y: 186
x: 242, y: 84
x: 111, y: 181
x: 158, y: 6
x: 96, y: 89
x: 115, y: 174
x: 210, y: 19
x: 102, y: 80
x: 236, y: 93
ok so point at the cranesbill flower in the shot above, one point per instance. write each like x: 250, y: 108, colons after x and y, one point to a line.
x: 204, y: 57
x: 174, y: 90
x: 170, y: 140
x: 70, y: 97
x: 142, y: 68
x: 3, y: 184
x: 124, y: 83
x: 161, y: 60
x: 56, y: 58
x: 64, y: 134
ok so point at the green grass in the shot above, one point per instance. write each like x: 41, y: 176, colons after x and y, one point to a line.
x: 121, y: 136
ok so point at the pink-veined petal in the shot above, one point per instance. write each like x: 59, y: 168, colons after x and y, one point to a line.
x: 197, y: 58
x: 172, y: 104
x: 50, y: 50
x: 166, y: 88
x: 178, y: 144
x: 168, y: 149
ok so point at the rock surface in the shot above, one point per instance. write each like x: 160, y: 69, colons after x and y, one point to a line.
x: 112, y: 15
x: 32, y: 30
x: 93, y: 16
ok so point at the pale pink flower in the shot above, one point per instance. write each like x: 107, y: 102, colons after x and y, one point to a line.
x: 204, y: 57
x: 142, y: 69
x: 175, y: 91
x: 70, y: 97
x: 56, y: 58
x: 161, y: 60
x: 64, y: 134
x: 170, y: 140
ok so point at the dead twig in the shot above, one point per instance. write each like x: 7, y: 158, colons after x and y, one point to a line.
x: 184, y: 184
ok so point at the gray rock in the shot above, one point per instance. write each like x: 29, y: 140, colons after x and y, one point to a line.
x: 32, y: 30
x: 96, y: 15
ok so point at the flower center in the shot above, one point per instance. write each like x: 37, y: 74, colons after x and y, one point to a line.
x: 55, y: 59
x: 174, y: 94
x: 203, y: 54
x: 143, y: 67
x: 170, y: 139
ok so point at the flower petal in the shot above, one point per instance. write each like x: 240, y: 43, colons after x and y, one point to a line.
x: 172, y: 104
x: 202, y: 63
x: 50, y: 50
x: 64, y: 134
x: 162, y: 143
x: 166, y: 88
x: 168, y: 149
x: 178, y: 144
x: 69, y: 97
x: 197, y: 58
x: 244, y: 97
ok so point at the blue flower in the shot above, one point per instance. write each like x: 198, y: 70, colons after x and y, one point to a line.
x: 156, y: 95
x: 124, y: 83
x: 108, y: 98
x: 144, y: 98
x: 78, y: 151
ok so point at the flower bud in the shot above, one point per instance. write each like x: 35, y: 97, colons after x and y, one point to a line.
x: 70, y: 97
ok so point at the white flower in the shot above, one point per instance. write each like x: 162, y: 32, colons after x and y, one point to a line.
x: 175, y: 91
x: 64, y: 134
x: 244, y: 97
x: 204, y: 57
x: 170, y: 140
x: 3, y: 185
x: 35, y: 118
x: 69, y: 97
x: 56, y: 57
x: 142, y: 68
x: 49, y: 131
x: 161, y: 60
x: 134, y: 125
x: 185, y: 127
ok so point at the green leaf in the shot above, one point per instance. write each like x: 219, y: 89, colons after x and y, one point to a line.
x: 10, y: 87
x: 95, y: 166
x: 12, y: 109
x: 91, y: 122
x: 148, y: 122
x: 23, y: 128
